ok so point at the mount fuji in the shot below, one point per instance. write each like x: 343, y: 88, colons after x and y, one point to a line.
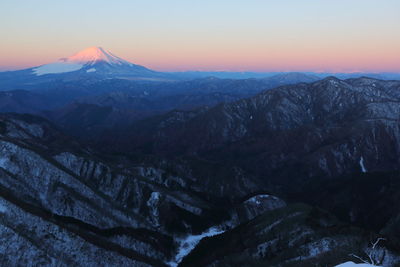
x: 94, y: 60
x: 90, y: 63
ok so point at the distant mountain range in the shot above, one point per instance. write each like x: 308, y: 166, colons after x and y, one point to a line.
x: 95, y: 63
x: 112, y: 101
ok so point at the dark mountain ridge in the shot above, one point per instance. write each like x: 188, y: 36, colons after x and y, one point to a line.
x: 282, y: 137
x: 78, y: 207
x: 140, y: 193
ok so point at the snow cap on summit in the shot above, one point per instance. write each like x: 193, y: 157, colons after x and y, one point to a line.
x: 95, y: 54
x: 85, y: 58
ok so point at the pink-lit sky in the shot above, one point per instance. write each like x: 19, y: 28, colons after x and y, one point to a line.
x: 177, y: 35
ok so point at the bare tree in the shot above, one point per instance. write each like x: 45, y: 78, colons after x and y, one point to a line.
x: 374, y: 253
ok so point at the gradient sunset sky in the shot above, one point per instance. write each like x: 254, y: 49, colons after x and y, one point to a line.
x: 235, y: 35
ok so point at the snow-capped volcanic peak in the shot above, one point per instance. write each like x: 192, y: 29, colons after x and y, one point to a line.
x: 85, y: 58
x: 93, y: 55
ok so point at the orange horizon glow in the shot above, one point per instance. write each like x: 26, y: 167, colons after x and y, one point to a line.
x: 257, y: 61
x: 253, y: 35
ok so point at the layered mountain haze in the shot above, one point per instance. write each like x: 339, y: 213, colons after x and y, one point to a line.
x: 97, y: 64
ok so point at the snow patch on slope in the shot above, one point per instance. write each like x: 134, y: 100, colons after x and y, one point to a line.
x: 363, y: 169
x: 91, y: 70
x: 58, y: 67
x: 352, y: 264
x: 187, y: 244
x: 152, y: 203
